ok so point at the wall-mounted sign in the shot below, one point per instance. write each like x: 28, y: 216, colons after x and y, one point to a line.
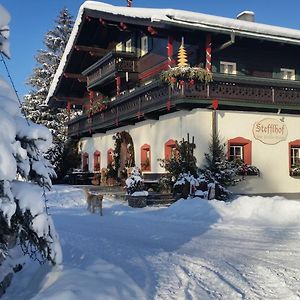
x: 270, y: 131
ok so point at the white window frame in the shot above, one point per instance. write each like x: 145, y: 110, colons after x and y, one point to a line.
x: 225, y: 65
x: 234, y: 156
x: 119, y: 47
x: 295, y: 159
x: 128, y: 46
x: 144, y: 45
x: 285, y: 74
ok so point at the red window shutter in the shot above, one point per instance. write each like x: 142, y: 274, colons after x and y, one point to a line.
x: 110, y: 156
x: 146, y: 158
x: 97, y: 159
x: 247, y: 146
x: 169, y: 146
x: 85, y: 161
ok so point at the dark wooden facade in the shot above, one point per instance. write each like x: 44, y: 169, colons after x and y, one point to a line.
x: 131, y: 81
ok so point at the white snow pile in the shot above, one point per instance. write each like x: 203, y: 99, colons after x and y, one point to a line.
x: 261, y: 210
x: 66, y: 196
x: 195, y: 249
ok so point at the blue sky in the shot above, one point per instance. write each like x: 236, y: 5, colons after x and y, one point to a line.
x: 31, y: 19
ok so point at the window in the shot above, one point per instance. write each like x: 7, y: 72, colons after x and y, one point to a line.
x: 236, y: 152
x: 240, y: 148
x: 129, y: 46
x: 295, y: 156
x: 97, y: 160
x: 119, y: 47
x: 145, y: 158
x: 85, y: 162
x: 227, y: 67
x: 110, y: 156
x: 287, y: 74
x: 144, y: 45
x: 294, y: 153
x: 170, y: 149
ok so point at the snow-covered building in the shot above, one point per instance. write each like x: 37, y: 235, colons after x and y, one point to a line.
x: 112, y: 65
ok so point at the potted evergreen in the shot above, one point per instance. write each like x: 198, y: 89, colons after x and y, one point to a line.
x: 136, y: 195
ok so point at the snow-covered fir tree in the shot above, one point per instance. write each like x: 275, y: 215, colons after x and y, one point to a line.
x: 34, y: 105
x: 24, y: 222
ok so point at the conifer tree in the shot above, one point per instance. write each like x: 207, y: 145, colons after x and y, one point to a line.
x: 182, y: 162
x: 24, y: 174
x: 218, y: 168
x: 35, y: 106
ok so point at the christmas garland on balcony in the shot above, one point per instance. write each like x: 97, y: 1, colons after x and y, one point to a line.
x: 98, y: 106
x: 185, y: 74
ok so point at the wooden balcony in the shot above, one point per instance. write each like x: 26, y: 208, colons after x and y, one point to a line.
x: 113, y: 64
x: 155, y: 99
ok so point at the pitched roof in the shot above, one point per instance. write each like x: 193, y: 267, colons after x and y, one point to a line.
x: 180, y: 18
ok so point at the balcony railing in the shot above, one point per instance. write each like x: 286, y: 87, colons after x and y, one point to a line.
x: 111, y: 64
x: 156, y: 98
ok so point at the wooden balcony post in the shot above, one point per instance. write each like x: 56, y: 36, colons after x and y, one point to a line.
x: 118, y: 84
x: 214, y: 124
x: 208, y: 52
x: 69, y: 109
x: 170, y: 51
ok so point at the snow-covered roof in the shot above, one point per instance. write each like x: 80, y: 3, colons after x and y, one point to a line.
x: 183, y: 19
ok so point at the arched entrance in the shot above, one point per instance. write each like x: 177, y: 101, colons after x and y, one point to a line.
x: 125, y: 152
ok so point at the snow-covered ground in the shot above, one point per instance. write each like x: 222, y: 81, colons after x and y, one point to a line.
x: 195, y: 249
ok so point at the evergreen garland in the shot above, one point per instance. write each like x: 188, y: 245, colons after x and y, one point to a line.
x: 185, y: 74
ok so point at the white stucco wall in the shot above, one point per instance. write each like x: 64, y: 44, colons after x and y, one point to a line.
x: 272, y: 160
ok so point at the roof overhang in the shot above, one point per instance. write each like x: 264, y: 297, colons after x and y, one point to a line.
x: 163, y: 18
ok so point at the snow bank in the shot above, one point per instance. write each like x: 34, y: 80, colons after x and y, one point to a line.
x: 260, y: 210
x: 268, y: 210
x: 66, y: 196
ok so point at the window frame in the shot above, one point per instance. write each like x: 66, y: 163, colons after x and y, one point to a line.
x: 170, y: 149
x: 110, y: 156
x: 97, y: 161
x: 294, y: 157
x: 145, y: 50
x: 235, y: 156
x: 119, y: 47
x: 145, y: 154
x: 247, y: 148
x: 85, y: 162
x: 228, y: 63
x: 127, y: 47
x: 285, y: 71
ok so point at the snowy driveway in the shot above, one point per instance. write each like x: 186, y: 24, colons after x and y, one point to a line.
x: 249, y: 249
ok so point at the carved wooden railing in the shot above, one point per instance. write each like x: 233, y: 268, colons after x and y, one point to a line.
x: 157, y: 98
x: 112, y: 62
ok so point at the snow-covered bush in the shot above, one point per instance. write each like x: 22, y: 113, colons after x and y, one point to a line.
x: 182, y: 162
x: 24, y: 173
x: 209, y: 182
x: 135, y: 184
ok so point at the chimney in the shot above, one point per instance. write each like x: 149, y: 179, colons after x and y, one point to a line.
x: 246, y: 16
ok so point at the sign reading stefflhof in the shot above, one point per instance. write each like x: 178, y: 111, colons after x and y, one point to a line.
x: 270, y: 131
